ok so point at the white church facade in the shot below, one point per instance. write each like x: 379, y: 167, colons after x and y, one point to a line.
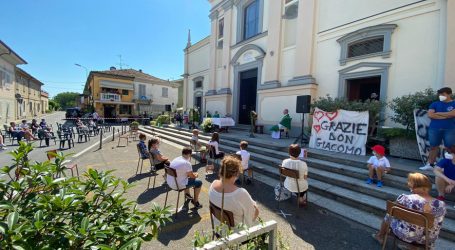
x: 262, y: 54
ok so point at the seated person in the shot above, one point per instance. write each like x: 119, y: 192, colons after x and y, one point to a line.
x: 236, y: 200
x: 34, y: 126
x: 2, y: 144
x: 17, y: 132
x: 159, y: 160
x: 43, y: 124
x: 145, y: 154
x: 377, y: 164
x: 245, y: 156
x: 196, y: 145
x: 81, y: 125
x: 296, y: 164
x: 303, y: 154
x: 285, y: 124
x: 216, y: 115
x: 420, y: 200
x: 24, y: 124
x: 215, y: 143
x: 185, y: 176
x: 445, y: 174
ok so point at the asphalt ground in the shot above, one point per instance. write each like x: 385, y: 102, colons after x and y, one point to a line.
x: 304, y: 228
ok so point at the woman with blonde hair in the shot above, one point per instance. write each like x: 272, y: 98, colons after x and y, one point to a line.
x: 420, y: 200
x: 225, y: 194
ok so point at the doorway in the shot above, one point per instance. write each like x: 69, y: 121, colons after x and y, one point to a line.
x: 247, y: 95
x: 362, y: 89
x: 109, y: 111
x: 198, y: 102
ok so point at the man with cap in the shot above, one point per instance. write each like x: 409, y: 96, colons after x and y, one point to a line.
x: 377, y: 164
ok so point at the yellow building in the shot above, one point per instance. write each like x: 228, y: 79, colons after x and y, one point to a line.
x: 28, y: 94
x: 8, y: 60
x: 110, y: 93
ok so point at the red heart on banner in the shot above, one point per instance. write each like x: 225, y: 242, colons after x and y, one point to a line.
x: 317, y: 128
x: 318, y: 115
x: 331, y: 115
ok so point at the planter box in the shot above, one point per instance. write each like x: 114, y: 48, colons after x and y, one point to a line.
x: 404, y: 148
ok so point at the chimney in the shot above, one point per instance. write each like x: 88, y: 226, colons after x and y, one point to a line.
x: 112, y: 68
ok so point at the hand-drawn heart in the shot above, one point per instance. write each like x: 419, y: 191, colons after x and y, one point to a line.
x: 318, y: 115
x: 331, y: 115
x: 317, y: 128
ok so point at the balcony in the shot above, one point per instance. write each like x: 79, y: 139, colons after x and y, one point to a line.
x: 110, y: 97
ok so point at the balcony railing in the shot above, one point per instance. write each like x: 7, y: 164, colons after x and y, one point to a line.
x: 110, y: 97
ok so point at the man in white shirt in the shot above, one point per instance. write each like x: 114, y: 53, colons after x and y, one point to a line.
x: 245, y: 158
x: 185, y: 177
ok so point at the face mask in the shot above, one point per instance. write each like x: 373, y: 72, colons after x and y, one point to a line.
x: 442, y: 98
x: 448, y: 156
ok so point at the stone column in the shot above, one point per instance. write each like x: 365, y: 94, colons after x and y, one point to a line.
x: 272, y: 60
x: 226, y: 59
x: 213, y: 40
x: 304, y: 43
x: 449, y: 79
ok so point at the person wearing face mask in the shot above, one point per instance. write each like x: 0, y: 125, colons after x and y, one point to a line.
x: 442, y: 126
x: 377, y: 164
x: 445, y: 174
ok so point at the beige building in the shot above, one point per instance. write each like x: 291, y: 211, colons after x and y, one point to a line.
x: 28, y: 95
x: 8, y: 61
x: 262, y: 54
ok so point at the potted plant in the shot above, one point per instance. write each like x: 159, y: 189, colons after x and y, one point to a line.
x: 134, y: 125
x: 402, y: 141
x: 207, y: 125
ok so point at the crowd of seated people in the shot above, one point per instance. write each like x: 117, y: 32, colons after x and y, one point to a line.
x: 245, y: 210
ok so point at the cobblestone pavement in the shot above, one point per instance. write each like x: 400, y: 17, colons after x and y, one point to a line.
x: 305, y: 229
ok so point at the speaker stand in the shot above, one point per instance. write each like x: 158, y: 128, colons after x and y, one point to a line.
x: 303, y: 137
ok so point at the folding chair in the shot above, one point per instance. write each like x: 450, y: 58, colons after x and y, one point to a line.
x: 141, y: 159
x: 227, y: 218
x: 195, y: 149
x: 172, y: 172
x: 124, y: 136
x: 51, y: 154
x: 291, y: 173
x: 153, y: 171
x: 421, y: 219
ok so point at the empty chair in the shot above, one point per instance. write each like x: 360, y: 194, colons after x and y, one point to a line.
x: 51, y: 154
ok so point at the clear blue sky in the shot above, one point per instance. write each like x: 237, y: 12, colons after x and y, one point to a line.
x: 53, y: 35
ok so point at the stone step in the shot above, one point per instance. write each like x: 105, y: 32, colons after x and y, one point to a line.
x: 344, y: 185
x: 274, y: 158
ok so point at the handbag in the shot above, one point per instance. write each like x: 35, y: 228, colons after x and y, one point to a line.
x: 281, y: 193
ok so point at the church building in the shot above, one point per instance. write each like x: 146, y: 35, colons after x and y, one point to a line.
x: 262, y: 54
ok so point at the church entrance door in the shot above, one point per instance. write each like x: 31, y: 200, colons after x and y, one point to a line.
x: 247, y: 95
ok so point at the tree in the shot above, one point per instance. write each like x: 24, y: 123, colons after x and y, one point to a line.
x: 66, y: 99
x: 53, y: 106
x: 41, y: 208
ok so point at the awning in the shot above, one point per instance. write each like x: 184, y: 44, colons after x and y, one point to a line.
x: 120, y: 103
x: 116, y: 85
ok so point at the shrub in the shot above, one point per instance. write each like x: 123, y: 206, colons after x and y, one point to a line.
x: 374, y: 108
x: 163, y: 119
x: 41, y: 208
x: 403, y: 106
x: 390, y: 133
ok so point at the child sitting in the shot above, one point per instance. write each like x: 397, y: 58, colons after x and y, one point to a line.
x: 145, y: 154
x: 245, y: 157
x: 197, y: 146
x: 378, y: 164
x: 159, y: 160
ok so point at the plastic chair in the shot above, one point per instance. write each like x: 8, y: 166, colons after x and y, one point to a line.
x: 291, y: 173
x: 172, y: 172
x: 421, y: 219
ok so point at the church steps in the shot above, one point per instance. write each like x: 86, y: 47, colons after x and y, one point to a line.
x: 332, y: 180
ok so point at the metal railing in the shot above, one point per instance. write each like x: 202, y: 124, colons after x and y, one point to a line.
x: 269, y: 227
x: 110, y: 97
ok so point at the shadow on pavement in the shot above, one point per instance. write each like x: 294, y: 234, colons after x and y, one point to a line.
x: 151, y: 193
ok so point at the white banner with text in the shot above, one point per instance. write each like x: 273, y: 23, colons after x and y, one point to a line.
x: 341, y: 131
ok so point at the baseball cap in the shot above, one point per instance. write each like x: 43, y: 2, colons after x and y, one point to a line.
x: 378, y: 149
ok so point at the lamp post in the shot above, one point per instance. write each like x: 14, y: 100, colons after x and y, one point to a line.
x: 86, y: 70
x: 86, y: 76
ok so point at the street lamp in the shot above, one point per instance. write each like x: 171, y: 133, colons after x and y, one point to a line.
x: 86, y: 70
